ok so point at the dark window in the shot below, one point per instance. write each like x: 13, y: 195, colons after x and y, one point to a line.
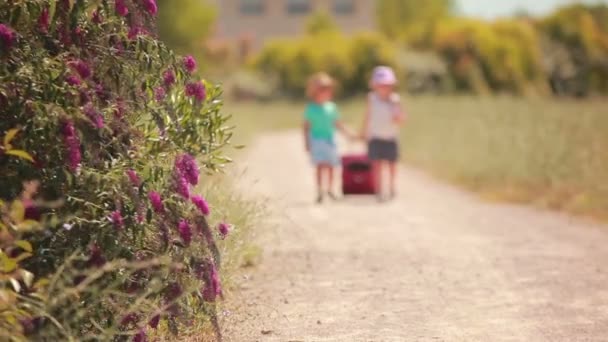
x: 298, y: 6
x: 252, y: 7
x: 344, y: 7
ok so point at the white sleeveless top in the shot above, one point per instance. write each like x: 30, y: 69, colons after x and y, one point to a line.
x: 381, y: 117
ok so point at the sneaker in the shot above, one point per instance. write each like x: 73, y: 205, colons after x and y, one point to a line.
x: 320, y: 199
x: 393, y: 194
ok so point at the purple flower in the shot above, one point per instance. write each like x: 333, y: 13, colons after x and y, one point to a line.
x: 72, y: 143
x: 224, y: 229
x: 135, y: 31
x: 73, y: 80
x: 133, y: 177
x: 154, y: 322
x: 96, y: 258
x: 173, y: 292
x: 82, y: 68
x: 185, y: 232
x: 7, y: 36
x: 43, y: 21
x: 150, y: 6
x: 157, y: 202
x: 201, y: 204
x: 129, y: 319
x: 212, y: 288
x: 196, y: 90
x: 121, y: 8
x: 182, y: 187
x: 185, y: 165
x: 116, y: 219
x: 140, y: 336
x: 189, y: 64
x: 96, y: 17
x: 168, y: 78
x: 94, y: 115
x: 159, y: 94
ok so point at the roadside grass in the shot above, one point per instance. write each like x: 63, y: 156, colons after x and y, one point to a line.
x: 546, y: 152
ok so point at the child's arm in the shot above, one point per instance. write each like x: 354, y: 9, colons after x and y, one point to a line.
x: 400, y: 115
x: 345, y: 130
x: 366, y: 121
x: 307, y: 135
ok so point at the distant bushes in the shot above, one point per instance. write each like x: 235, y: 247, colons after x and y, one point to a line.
x: 504, y: 56
x: 348, y: 59
x: 566, y: 52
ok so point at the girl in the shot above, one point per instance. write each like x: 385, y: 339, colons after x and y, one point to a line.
x: 321, y: 119
x: 382, y: 120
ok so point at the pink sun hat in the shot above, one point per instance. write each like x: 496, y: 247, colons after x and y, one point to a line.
x: 383, y: 75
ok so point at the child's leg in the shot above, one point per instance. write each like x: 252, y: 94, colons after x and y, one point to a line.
x: 393, y: 175
x: 377, y: 176
x: 319, y: 178
x: 330, y: 172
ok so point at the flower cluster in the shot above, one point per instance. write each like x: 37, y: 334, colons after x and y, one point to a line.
x: 196, y: 90
x: 72, y: 143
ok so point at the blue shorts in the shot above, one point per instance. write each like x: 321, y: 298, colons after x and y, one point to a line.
x: 324, y: 152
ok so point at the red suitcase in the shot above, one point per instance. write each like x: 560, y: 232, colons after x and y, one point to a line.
x: 357, y: 175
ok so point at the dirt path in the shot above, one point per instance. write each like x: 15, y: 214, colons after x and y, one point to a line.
x: 436, y: 265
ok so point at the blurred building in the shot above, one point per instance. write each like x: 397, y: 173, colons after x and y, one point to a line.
x: 253, y: 22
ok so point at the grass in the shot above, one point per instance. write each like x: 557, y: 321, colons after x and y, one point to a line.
x: 547, y: 152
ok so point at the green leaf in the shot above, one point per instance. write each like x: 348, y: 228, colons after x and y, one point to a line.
x: 10, y: 135
x: 25, y: 245
x: 21, y: 154
x: 17, y: 212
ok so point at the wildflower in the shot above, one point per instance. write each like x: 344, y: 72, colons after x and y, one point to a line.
x: 7, y: 36
x: 159, y: 94
x: 72, y: 143
x: 121, y: 8
x: 212, y: 288
x: 133, y: 177
x: 116, y: 219
x: 82, y: 68
x: 102, y: 93
x: 136, y: 31
x: 196, y: 90
x: 174, y: 291
x: 140, y: 336
x: 154, y: 322
x: 150, y: 6
x: 129, y: 319
x: 182, y: 187
x: 201, y: 204
x: 94, y: 115
x: 84, y: 97
x: 224, y: 229
x: 185, y: 165
x: 168, y: 78
x: 157, y: 202
x: 95, y: 257
x: 43, y: 21
x: 96, y: 17
x: 73, y: 80
x: 189, y: 64
x: 185, y: 232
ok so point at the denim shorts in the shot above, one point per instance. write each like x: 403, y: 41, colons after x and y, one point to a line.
x: 324, y: 152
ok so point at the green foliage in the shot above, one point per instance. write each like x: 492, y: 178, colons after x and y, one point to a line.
x: 582, y: 32
x: 185, y: 24
x: 321, y: 22
x: 93, y: 128
x: 500, y: 56
x: 348, y: 60
x: 401, y: 18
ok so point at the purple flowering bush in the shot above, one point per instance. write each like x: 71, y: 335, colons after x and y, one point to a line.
x: 107, y: 136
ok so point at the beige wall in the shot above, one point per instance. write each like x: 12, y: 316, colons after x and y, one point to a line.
x: 277, y: 23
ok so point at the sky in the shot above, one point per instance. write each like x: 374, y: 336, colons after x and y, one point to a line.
x: 498, y: 8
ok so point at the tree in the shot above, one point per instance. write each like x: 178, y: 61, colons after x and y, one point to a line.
x: 397, y: 18
x: 321, y: 22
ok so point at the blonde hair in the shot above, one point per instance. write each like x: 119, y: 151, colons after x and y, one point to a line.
x: 318, y: 81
